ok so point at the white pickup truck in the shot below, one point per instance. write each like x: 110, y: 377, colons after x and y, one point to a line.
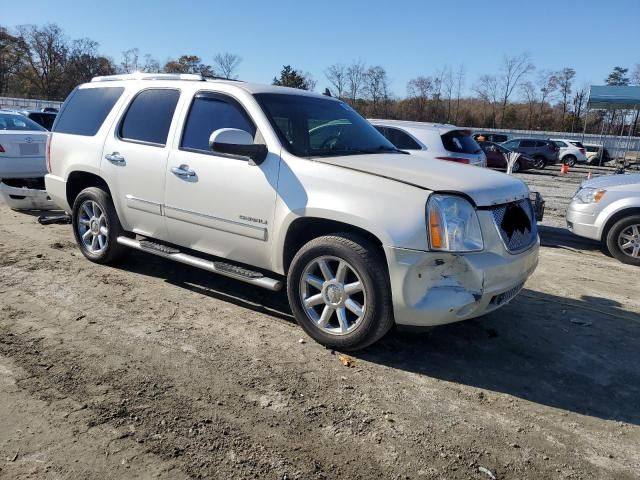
x: 238, y: 179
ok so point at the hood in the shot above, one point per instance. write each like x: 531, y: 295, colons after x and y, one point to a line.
x: 485, y: 187
x: 612, y: 181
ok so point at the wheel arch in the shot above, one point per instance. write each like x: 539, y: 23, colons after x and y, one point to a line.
x: 615, y: 217
x: 78, y: 180
x: 304, y: 229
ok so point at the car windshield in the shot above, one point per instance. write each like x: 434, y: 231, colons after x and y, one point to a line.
x: 10, y: 121
x: 321, y: 127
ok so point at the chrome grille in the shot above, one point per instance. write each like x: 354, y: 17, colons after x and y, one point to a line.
x: 516, y: 224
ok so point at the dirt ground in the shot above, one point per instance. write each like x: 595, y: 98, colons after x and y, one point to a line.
x: 158, y: 370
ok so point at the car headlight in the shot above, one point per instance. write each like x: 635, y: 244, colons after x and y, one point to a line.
x: 453, y: 224
x: 589, y: 195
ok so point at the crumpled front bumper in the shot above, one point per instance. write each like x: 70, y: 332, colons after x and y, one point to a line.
x: 435, y: 288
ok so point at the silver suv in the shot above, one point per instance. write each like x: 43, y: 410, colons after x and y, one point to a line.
x: 607, y: 209
x: 242, y: 180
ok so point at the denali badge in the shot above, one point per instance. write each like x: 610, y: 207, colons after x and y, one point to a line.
x: 253, y: 219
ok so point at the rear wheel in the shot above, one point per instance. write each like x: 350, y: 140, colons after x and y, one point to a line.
x: 569, y: 160
x: 96, y: 226
x: 623, y: 240
x: 539, y: 162
x: 338, y: 288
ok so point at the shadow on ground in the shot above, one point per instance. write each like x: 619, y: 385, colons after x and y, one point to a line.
x: 576, y: 355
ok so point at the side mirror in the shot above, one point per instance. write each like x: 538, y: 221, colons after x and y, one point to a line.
x: 233, y: 141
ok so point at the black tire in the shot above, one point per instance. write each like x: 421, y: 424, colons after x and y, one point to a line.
x: 370, y: 266
x: 614, y: 239
x: 569, y: 160
x: 112, y: 250
x: 516, y: 167
x: 539, y: 162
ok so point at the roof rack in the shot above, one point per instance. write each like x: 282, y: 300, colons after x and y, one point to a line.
x: 150, y: 76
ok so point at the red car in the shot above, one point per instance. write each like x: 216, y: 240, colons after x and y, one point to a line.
x: 496, y: 157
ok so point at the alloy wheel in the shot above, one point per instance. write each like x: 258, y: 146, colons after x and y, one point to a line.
x: 629, y: 241
x: 333, y: 295
x: 92, y: 227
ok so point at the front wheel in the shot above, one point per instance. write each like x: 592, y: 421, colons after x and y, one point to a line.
x: 96, y: 226
x: 539, y: 162
x: 338, y: 289
x: 623, y: 240
x: 516, y: 167
x: 569, y: 160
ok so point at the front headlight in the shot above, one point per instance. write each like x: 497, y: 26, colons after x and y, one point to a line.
x: 453, y: 224
x: 589, y: 195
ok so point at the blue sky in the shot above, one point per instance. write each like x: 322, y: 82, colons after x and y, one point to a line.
x: 408, y: 38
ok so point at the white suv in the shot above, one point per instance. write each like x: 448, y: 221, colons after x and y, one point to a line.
x: 436, y: 141
x: 234, y: 178
x: 571, y: 151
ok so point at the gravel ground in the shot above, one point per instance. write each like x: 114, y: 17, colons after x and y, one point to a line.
x: 157, y: 370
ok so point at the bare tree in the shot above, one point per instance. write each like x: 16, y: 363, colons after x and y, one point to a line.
x: 151, y: 65
x: 84, y: 62
x: 355, y: 79
x: 309, y: 80
x: 447, y: 87
x: 579, y: 101
x: 530, y: 95
x: 459, y: 86
x: 376, y: 85
x: 419, y: 89
x: 226, y: 65
x: 635, y: 76
x: 337, y: 76
x: 548, y: 83
x: 512, y: 71
x: 129, y: 62
x: 46, y: 50
x: 565, y: 86
x: 487, y: 89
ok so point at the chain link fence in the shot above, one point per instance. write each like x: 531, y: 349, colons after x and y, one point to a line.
x: 12, y: 103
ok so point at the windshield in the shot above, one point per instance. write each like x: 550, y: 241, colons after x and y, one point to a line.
x: 319, y: 127
x: 9, y: 121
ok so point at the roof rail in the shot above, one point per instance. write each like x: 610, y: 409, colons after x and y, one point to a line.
x: 149, y: 76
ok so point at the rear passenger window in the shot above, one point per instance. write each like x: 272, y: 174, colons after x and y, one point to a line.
x: 527, y: 143
x: 210, y: 112
x: 400, y: 139
x: 149, y: 116
x: 85, y: 110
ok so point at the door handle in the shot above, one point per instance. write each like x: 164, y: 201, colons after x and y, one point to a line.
x: 115, y: 158
x: 183, y: 171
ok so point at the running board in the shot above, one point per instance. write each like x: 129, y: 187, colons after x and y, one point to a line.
x: 221, y: 268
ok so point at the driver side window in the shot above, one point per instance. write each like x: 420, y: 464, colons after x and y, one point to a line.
x: 210, y: 112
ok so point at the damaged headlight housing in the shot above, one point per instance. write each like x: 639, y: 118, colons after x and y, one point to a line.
x: 453, y: 225
x: 589, y: 195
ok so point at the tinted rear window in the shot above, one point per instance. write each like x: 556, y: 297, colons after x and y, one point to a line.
x: 401, y: 139
x: 149, y: 116
x: 578, y: 144
x: 460, y: 141
x: 85, y: 110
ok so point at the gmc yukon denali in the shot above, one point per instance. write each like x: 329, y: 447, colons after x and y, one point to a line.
x: 238, y: 179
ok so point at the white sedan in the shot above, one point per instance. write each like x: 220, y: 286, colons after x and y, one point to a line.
x: 22, y: 147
